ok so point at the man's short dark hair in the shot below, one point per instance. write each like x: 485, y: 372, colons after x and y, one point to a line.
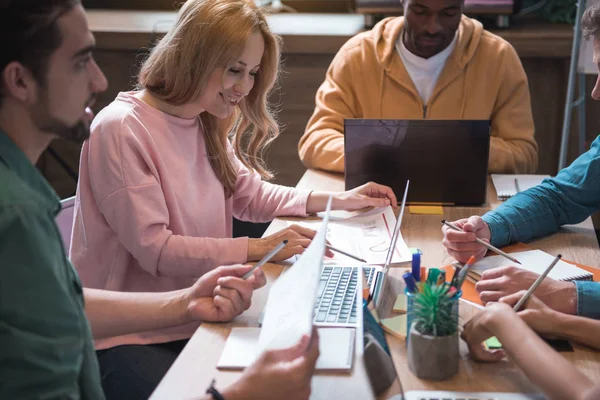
x: 29, y: 33
x: 590, y: 23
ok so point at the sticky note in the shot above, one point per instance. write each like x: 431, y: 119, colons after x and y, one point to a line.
x: 395, y: 326
x: 427, y: 210
x: 493, y: 343
x: 400, y: 305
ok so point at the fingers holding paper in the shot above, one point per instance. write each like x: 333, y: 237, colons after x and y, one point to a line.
x: 462, y: 245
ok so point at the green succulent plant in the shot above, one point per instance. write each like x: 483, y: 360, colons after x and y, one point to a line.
x: 435, y: 311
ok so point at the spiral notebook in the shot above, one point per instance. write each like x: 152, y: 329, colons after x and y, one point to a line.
x: 509, y: 185
x: 536, y: 261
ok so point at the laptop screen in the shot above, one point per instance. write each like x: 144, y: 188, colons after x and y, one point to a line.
x: 445, y: 160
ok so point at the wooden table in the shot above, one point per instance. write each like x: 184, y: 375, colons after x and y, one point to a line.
x: 196, y: 366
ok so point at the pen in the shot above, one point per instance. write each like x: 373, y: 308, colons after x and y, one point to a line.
x: 481, y: 242
x: 432, y: 278
x: 330, y: 247
x: 454, y: 281
x: 464, y: 271
x: 265, y: 259
x: 536, y: 284
x: 411, y: 285
x: 517, y: 185
x: 416, y: 267
x: 442, y: 278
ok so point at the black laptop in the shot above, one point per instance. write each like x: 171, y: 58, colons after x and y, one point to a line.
x: 446, y: 161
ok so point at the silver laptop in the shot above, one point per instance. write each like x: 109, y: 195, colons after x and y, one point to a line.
x: 339, y: 297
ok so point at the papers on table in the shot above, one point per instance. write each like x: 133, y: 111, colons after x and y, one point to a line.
x: 366, y: 235
x: 534, y: 260
x: 290, y: 306
x: 507, y: 185
x: 336, y: 349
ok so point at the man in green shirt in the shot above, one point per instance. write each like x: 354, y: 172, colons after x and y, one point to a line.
x: 48, y: 81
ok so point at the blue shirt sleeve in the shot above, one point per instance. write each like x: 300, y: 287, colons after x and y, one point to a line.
x: 588, y: 299
x: 569, y: 198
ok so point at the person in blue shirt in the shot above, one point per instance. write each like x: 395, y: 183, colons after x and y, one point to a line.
x: 48, y: 81
x: 569, y: 198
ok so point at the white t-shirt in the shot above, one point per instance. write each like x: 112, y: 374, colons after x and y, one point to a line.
x: 424, y: 72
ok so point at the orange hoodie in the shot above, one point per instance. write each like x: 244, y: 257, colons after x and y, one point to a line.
x: 483, y: 79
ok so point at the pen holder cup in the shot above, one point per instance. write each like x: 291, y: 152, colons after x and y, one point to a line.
x: 429, y: 356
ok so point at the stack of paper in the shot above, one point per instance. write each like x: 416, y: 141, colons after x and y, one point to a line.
x: 534, y: 260
x: 509, y: 185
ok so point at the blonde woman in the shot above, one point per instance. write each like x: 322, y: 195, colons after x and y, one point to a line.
x: 167, y: 168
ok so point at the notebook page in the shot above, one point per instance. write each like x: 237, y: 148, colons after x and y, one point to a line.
x: 536, y: 261
x: 367, y: 236
x: 505, y: 184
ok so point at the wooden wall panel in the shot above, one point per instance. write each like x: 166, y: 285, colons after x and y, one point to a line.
x: 544, y: 51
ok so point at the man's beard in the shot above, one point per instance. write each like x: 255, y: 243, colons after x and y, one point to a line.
x: 45, y: 122
x: 78, y: 132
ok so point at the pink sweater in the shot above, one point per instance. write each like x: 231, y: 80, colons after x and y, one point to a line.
x: 150, y: 213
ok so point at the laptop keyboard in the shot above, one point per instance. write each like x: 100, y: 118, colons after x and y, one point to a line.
x: 336, y: 296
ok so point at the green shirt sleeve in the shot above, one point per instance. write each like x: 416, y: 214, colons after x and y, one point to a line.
x: 42, y: 329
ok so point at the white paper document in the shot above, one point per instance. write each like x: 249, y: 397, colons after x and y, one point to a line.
x: 336, y: 348
x: 291, y: 303
x: 536, y: 261
x: 506, y: 186
x: 366, y: 235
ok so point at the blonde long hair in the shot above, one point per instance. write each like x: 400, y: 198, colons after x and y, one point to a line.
x: 210, y: 34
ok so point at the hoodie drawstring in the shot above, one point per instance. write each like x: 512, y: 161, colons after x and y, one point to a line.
x: 464, y: 94
x: 382, y: 86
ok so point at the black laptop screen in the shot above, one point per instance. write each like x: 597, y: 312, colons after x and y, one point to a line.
x: 445, y: 160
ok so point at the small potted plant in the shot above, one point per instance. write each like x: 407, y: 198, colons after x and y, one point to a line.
x: 433, y: 351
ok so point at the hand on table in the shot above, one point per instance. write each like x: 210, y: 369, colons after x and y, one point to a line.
x: 298, y: 238
x: 536, y: 314
x: 368, y: 195
x: 504, y: 281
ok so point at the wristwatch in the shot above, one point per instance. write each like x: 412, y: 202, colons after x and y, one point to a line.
x: 214, y: 392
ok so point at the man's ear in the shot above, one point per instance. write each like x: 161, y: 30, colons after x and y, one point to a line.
x: 18, y: 82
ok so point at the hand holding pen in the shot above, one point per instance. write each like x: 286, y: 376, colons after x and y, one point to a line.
x: 266, y: 259
x: 465, y: 238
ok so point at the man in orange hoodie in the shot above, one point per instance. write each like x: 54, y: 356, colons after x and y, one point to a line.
x: 434, y: 63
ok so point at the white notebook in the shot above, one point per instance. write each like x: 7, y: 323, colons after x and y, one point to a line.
x: 536, y: 261
x: 336, y: 347
x: 506, y: 187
